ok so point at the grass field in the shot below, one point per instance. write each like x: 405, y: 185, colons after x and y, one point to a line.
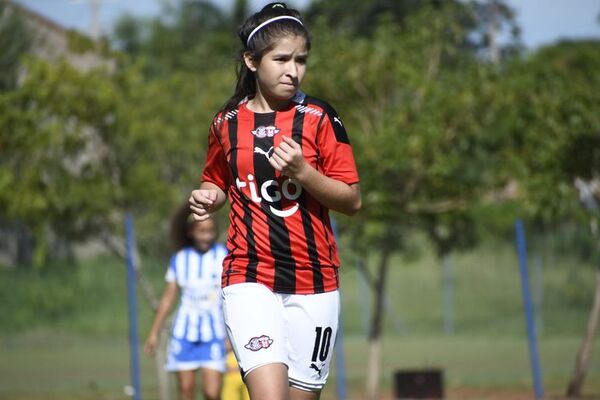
x: 43, y: 365
x: 54, y: 348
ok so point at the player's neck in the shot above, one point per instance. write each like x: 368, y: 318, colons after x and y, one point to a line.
x: 264, y: 104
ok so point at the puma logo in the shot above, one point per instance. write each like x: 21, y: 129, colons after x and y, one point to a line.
x: 339, y: 121
x: 264, y: 153
x: 314, y: 366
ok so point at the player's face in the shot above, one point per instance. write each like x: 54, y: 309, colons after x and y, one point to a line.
x: 281, y: 69
x: 204, y: 234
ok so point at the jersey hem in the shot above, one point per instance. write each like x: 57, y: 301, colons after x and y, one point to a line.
x: 326, y: 289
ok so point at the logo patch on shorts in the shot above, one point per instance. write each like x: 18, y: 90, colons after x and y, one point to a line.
x: 319, y: 370
x: 257, y: 343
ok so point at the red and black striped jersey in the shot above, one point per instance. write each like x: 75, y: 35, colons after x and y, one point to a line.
x: 279, y: 235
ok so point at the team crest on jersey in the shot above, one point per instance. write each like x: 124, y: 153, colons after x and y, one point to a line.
x: 257, y: 343
x: 266, y: 131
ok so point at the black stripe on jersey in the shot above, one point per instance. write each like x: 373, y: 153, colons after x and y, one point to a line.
x: 279, y: 237
x: 252, y: 257
x: 232, y: 131
x: 306, y: 222
x: 324, y: 218
x: 338, y: 127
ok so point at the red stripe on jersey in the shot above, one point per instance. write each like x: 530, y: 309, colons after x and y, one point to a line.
x: 247, y: 201
x: 279, y: 235
x: 299, y: 240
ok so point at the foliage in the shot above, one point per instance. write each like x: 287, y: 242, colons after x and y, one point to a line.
x: 446, y: 143
x: 82, y: 148
x: 15, y: 40
x: 550, y: 122
x: 183, y: 38
x: 425, y: 156
x: 81, y: 44
x: 90, y: 297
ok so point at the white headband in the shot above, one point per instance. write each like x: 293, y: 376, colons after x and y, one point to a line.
x: 267, y: 22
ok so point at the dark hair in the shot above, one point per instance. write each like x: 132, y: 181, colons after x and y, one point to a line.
x: 181, y: 224
x: 261, y: 42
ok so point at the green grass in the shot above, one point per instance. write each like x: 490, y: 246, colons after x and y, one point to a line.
x: 487, y: 295
x: 63, y: 332
x: 47, y: 365
x: 474, y: 361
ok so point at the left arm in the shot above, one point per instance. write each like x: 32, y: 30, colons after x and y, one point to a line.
x: 333, y: 194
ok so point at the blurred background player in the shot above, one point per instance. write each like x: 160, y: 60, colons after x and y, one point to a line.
x: 197, y: 339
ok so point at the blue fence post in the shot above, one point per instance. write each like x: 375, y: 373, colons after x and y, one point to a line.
x: 340, y: 359
x: 132, y: 303
x: 529, y: 313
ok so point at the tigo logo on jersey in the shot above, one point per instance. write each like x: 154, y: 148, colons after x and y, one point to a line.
x: 266, y: 131
x: 257, y: 343
x: 271, y: 192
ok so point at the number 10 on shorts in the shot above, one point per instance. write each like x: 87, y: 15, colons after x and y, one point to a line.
x: 322, y: 343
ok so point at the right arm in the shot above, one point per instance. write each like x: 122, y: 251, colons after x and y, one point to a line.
x: 215, y: 178
x: 164, y: 307
x: 206, y: 200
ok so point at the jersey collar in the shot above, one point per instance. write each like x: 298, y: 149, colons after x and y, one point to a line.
x: 298, y: 98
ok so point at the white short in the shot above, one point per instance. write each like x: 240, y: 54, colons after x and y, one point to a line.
x: 296, y: 330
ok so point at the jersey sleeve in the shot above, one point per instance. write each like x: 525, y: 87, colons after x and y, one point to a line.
x: 335, y: 149
x: 216, y: 169
x: 171, y: 275
x: 222, y: 254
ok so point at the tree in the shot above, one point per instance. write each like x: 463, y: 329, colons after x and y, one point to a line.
x: 552, y: 122
x: 362, y: 17
x: 182, y: 38
x: 82, y: 148
x: 420, y: 105
x: 14, y: 41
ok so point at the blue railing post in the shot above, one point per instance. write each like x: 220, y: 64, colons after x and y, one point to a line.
x: 132, y: 303
x: 529, y: 313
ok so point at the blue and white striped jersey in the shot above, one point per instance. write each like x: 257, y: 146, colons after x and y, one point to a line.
x: 199, y: 317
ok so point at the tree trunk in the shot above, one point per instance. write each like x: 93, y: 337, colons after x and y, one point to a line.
x: 583, y: 358
x: 448, y: 293
x: 374, y: 366
x: 493, y: 32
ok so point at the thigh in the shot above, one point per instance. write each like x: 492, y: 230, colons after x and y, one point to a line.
x: 186, y: 381
x: 255, y: 324
x: 269, y: 382
x: 212, y: 382
x: 311, y: 326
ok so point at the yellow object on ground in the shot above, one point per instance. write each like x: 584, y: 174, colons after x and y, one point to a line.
x: 234, y: 387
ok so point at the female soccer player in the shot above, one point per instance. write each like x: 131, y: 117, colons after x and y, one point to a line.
x: 198, y: 334
x: 284, y: 160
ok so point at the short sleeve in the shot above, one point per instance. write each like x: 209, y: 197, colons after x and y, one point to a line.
x: 222, y: 253
x: 337, y: 157
x: 171, y: 275
x: 216, y: 169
